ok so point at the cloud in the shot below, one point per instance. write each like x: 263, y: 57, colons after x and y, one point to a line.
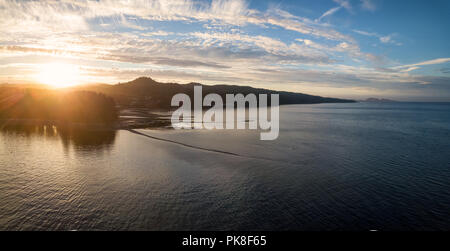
x: 74, y: 15
x: 329, y: 12
x: 14, y: 49
x: 344, y: 3
x: 307, y: 28
x: 434, y: 61
x: 411, y: 67
x: 62, y: 16
x: 157, y: 33
x: 388, y: 39
x: 264, y: 48
x: 365, y: 33
x: 368, y: 5
x: 163, y: 61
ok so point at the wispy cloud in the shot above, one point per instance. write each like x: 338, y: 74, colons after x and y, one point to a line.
x: 329, y: 13
x: 365, y: 33
x: 342, y: 4
x: 157, y: 33
x: 412, y: 67
x: 368, y: 5
x: 388, y: 39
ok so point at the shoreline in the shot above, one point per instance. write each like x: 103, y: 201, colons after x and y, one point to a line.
x: 128, y: 119
x: 120, y: 125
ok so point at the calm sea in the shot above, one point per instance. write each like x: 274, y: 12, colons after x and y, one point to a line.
x: 360, y: 166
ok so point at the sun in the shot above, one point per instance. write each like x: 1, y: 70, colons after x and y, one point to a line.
x: 58, y: 75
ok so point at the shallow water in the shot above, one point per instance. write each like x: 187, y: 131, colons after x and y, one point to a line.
x: 335, y: 166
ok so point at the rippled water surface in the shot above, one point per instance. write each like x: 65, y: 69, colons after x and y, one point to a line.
x: 335, y: 166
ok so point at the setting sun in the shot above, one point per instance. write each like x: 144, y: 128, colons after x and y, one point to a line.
x: 58, y: 75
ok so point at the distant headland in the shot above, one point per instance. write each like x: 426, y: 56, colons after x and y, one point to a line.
x: 148, y: 93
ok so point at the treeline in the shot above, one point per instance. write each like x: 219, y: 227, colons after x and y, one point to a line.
x: 56, y: 105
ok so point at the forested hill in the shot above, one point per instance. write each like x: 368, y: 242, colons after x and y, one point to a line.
x: 146, y: 92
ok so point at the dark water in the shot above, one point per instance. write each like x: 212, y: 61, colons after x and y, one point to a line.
x: 334, y: 167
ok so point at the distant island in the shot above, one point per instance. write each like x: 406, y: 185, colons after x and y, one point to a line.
x: 124, y: 105
x: 377, y: 100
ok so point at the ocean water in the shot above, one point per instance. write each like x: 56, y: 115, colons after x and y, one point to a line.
x: 360, y: 166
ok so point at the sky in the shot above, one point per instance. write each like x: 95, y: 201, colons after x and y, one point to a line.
x: 338, y: 48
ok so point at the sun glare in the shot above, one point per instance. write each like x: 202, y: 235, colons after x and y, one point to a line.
x: 58, y: 75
